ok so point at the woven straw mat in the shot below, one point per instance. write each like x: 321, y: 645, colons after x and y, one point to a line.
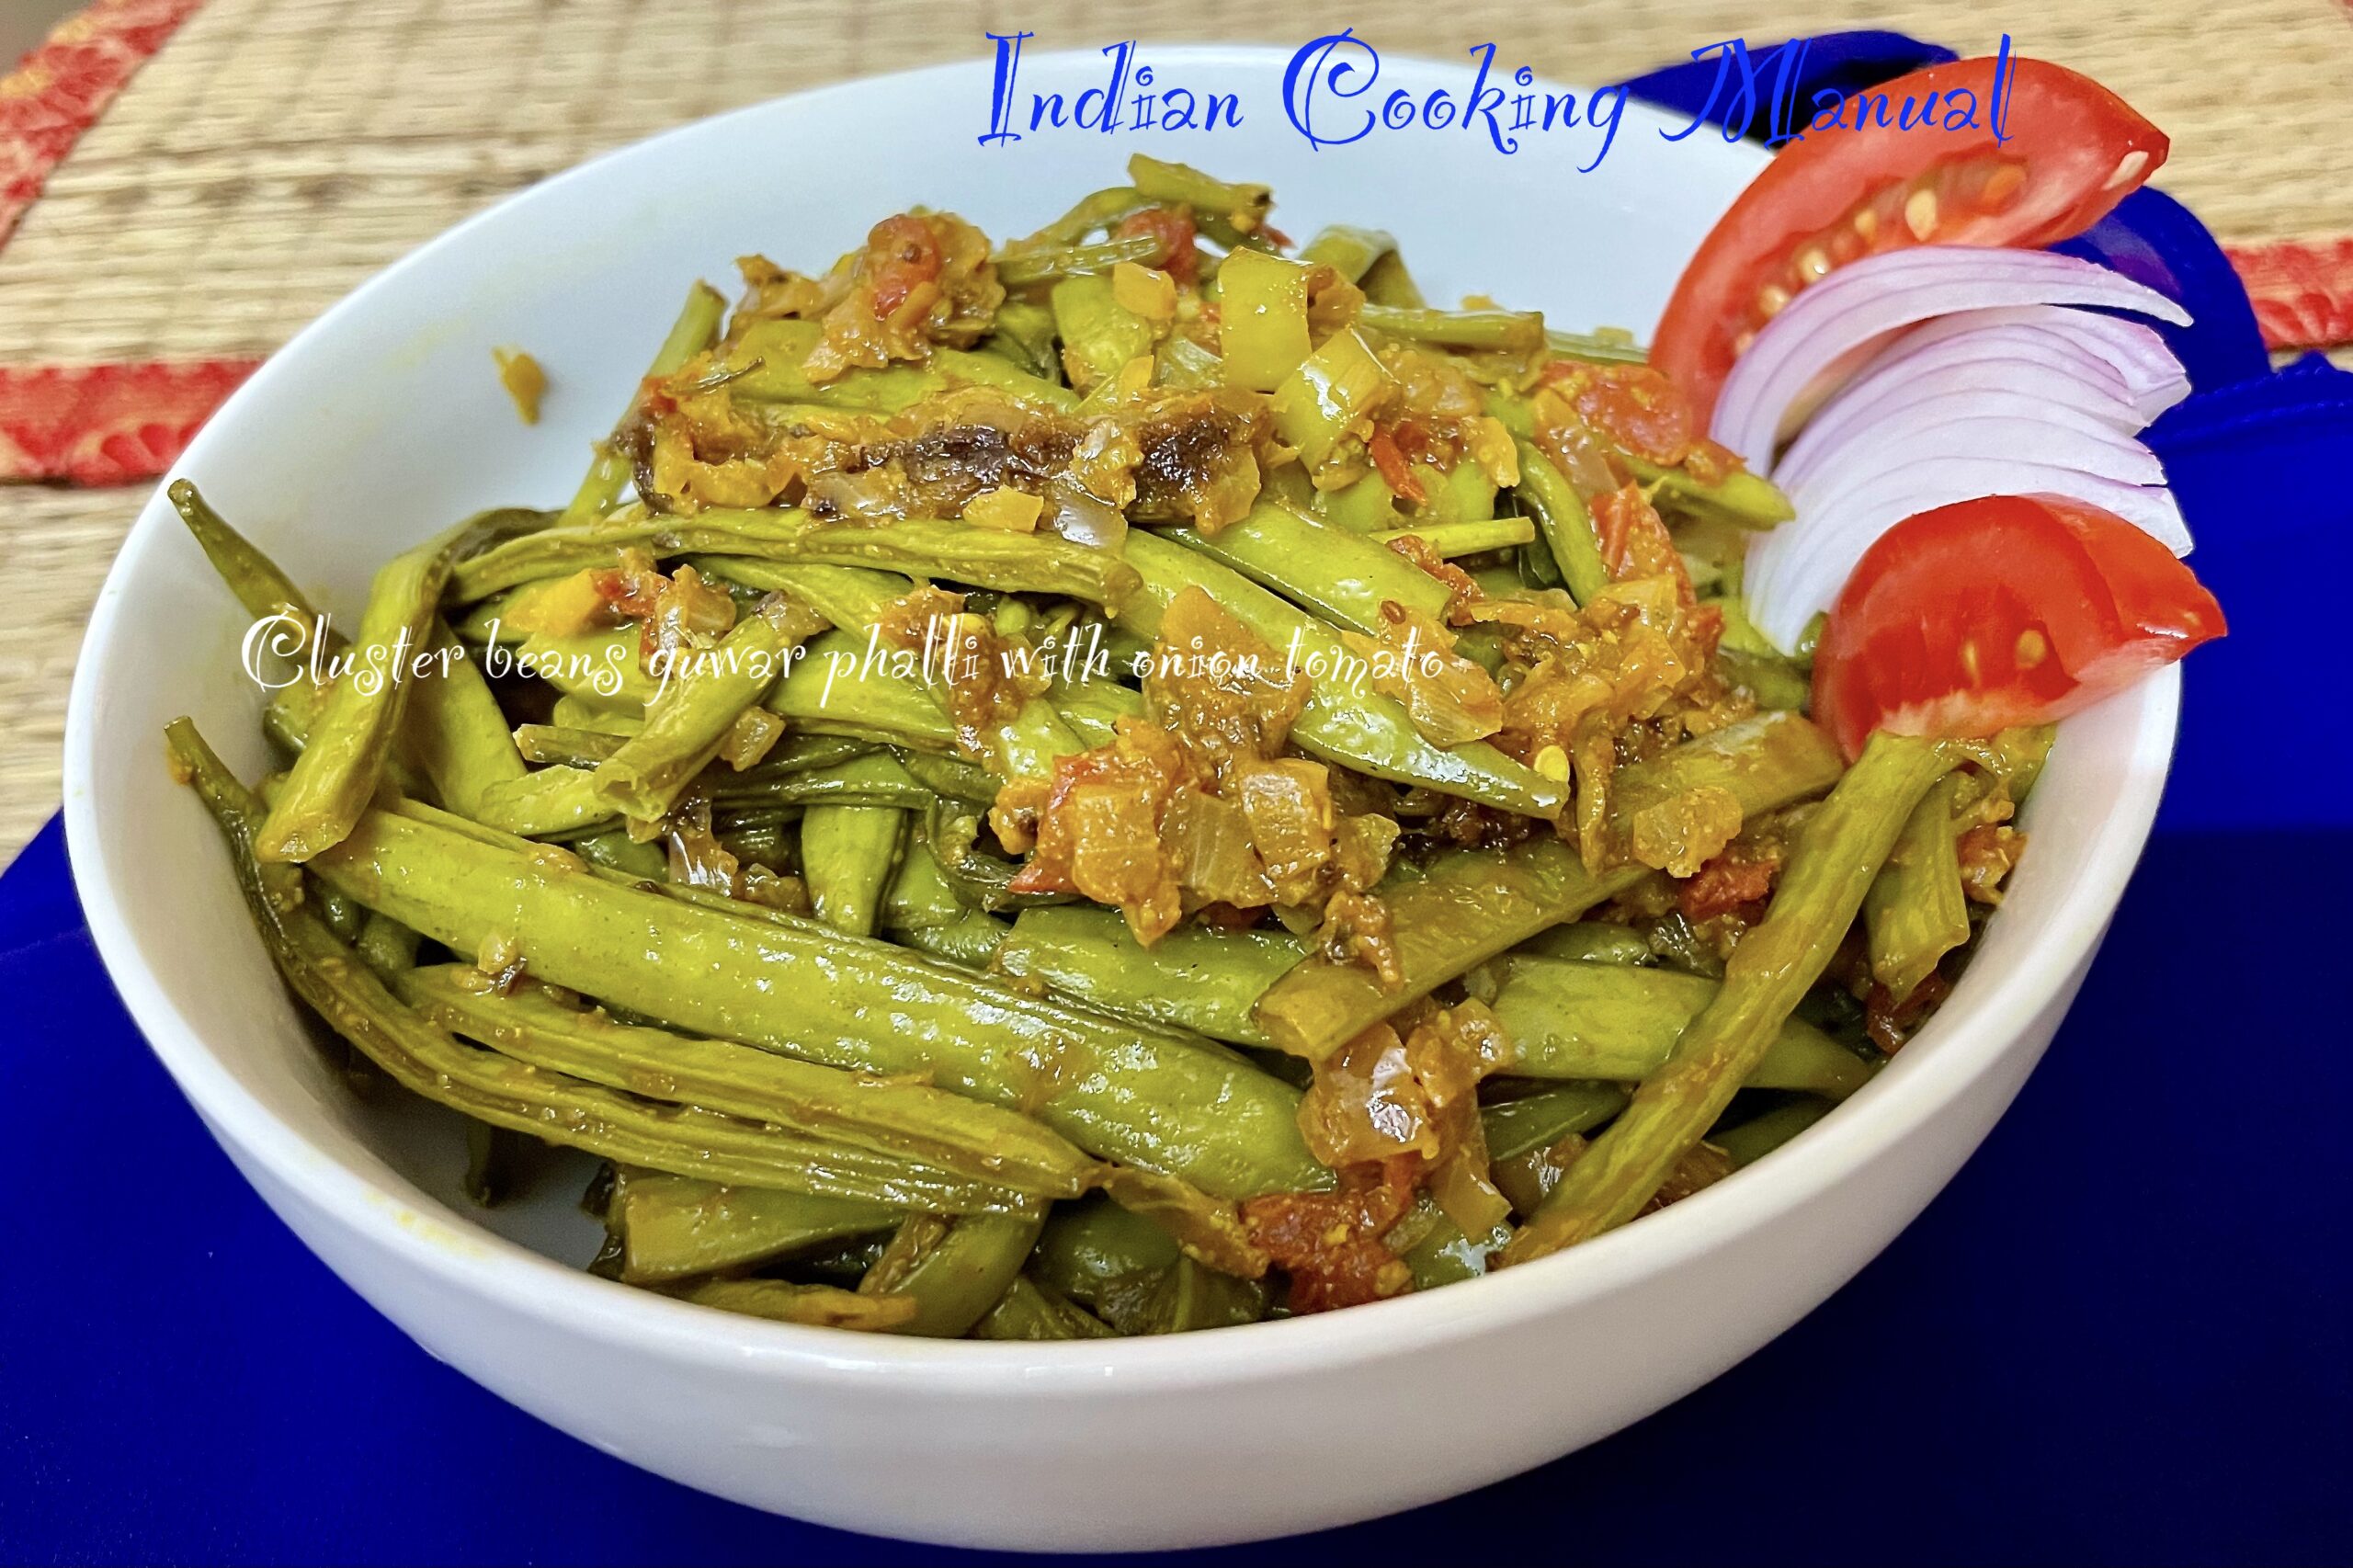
x: 276, y: 152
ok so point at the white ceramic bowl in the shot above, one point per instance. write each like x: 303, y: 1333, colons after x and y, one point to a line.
x: 383, y: 421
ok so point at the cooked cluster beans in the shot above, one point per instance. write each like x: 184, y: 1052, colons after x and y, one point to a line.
x: 1136, y: 779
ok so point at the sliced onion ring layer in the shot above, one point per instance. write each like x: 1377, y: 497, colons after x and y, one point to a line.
x: 1824, y: 333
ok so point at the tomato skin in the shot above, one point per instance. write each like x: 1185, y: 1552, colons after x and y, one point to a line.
x: 2009, y: 610
x: 2074, y: 151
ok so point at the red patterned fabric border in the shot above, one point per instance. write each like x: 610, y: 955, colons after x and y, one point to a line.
x: 106, y: 423
x: 2302, y: 290
x: 61, y: 87
x: 94, y: 423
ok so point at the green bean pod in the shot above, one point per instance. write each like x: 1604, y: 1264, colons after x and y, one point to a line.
x: 1597, y: 941
x: 1469, y: 537
x: 971, y: 942
x: 456, y: 733
x: 674, y: 1227
x: 1022, y: 334
x: 855, y: 599
x: 564, y: 746
x: 359, y: 718
x: 919, y: 897
x: 950, y: 1132
x: 813, y: 1306
x: 1099, y: 334
x: 765, y: 363
x: 617, y: 851
x: 1571, y: 1020
x: 1088, y: 1248
x: 1242, y: 204
x: 1830, y: 869
x: 1541, y: 1119
x: 1193, y: 978
x: 1166, y: 1102
x: 1336, y: 573
x: 1044, y: 264
x: 549, y: 803
x: 1032, y: 1311
x: 264, y: 589
x: 953, y: 1268
x: 1440, y: 1254
x: 1096, y: 212
x: 1514, y: 332
x: 1567, y: 527
x: 1368, y: 258
x: 835, y: 690
x: 1760, y: 1135
x: 1179, y: 1298
x: 1473, y: 905
x: 502, y: 1092
x: 1093, y: 709
x: 1916, y: 911
x: 1743, y: 499
x: 1610, y: 345
x: 599, y: 674
x: 848, y: 857
x: 1340, y: 723
x: 990, y: 558
x: 386, y: 946
x: 852, y: 598
x: 609, y: 470
x: 689, y: 720
x: 874, y: 779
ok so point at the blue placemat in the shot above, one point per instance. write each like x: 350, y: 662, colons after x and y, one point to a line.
x: 2119, y: 1337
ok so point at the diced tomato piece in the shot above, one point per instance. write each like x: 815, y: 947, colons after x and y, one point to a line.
x: 1634, y: 405
x: 905, y: 255
x: 1173, y: 228
x: 1394, y: 472
x: 1636, y: 542
x: 1725, y: 884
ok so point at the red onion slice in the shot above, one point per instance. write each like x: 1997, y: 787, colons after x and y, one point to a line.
x: 1954, y: 393
x: 2036, y: 334
x: 1931, y: 352
x: 2132, y: 352
x: 1824, y: 333
x: 1966, y: 427
x: 2135, y: 349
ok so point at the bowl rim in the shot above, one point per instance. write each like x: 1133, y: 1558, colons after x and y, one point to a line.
x: 416, y: 1230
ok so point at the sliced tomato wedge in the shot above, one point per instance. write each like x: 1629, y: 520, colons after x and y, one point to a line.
x: 2074, y: 150
x: 2009, y: 610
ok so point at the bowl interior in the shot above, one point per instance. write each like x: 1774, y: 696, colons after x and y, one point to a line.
x: 384, y: 421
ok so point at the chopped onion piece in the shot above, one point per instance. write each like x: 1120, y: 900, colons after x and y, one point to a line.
x: 1080, y: 518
